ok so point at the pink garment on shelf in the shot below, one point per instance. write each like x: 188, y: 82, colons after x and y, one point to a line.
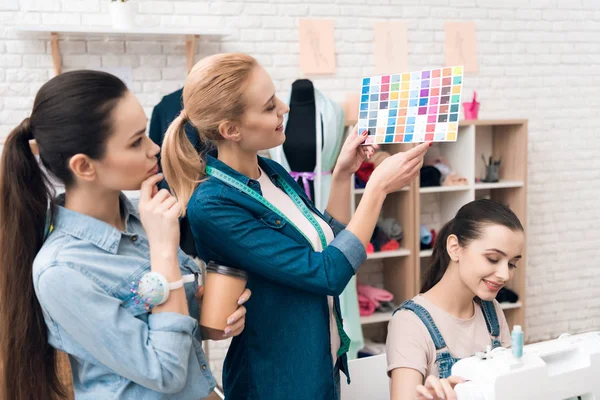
x: 365, y: 306
x: 370, y: 248
x: 373, y: 294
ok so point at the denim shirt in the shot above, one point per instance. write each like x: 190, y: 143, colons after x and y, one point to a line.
x: 83, y: 277
x: 284, y: 351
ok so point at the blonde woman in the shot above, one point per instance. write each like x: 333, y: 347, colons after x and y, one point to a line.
x: 247, y: 211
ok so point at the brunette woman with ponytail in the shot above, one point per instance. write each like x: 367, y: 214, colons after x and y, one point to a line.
x: 456, y: 314
x: 67, y: 264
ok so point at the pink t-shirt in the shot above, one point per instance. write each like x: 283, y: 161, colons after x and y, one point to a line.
x: 409, y: 344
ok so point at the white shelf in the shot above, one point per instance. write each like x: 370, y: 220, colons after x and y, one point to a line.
x: 444, y: 189
x: 499, y: 185
x: 388, y: 254
x: 376, y: 318
x: 53, y: 31
x: 362, y: 191
x: 511, y: 306
x: 426, y: 253
x: 108, y: 31
x: 379, y: 317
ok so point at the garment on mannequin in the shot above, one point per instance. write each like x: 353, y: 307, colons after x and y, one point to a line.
x: 300, y: 146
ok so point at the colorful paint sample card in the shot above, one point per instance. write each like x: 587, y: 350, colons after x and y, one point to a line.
x: 412, y: 107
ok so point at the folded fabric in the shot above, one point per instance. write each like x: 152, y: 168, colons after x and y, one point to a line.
x: 391, y: 227
x: 426, y: 237
x: 382, y: 242
x: 391, y: 245
x: 358, y: 184
x: 373, y: 294
x: 373, y: 348
x: 454, y: 180
x: 365, y: 170
x: 430, y: 176
x: 443, y: 166
x: 433, y: 236
x: 386, y: 306
x: 507, y: 295
x: 365, y: 306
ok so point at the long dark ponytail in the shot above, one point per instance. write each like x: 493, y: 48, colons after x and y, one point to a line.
x: 71, y: 115
x: 467, y: 226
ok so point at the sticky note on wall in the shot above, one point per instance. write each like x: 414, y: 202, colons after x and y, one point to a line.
x: 461, y: 45
x: 317, y: 46
x: 390, y: 44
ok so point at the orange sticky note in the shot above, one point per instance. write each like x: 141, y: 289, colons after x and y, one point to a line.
x: 390, y: 43
x: 461, y: 45
x: 317, y: 46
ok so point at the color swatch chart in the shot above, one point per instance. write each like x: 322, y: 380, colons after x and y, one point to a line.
x: 411, y: 107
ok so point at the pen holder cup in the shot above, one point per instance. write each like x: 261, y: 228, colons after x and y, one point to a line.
x: 492, y: 173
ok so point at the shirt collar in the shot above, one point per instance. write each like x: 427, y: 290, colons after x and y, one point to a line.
x: 84, y: 227
x: 214, y: 162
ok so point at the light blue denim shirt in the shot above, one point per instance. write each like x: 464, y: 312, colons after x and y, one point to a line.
x: 83, y: 277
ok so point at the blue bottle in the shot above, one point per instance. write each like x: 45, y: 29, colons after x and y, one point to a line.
x: 517, y: 341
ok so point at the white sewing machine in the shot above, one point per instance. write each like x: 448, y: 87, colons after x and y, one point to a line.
x: 560, y: 369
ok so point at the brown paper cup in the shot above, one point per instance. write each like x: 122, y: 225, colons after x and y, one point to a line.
x: 223, y: 287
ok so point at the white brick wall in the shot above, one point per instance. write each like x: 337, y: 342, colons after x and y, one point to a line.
x: 538, y: 59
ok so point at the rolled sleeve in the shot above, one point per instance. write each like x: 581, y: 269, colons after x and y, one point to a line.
x: 172, y: 322
x: 336, y: 226
x: 154, y: 354
x: 351, y: 247
x: 249, y: 244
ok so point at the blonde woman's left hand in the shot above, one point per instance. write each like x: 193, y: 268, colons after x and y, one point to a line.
x: 353, y: 152
x: 236, y: 322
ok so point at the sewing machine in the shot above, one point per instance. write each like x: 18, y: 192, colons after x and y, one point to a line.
x: 560, y: 369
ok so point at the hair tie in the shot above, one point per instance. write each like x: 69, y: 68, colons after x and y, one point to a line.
x: 26, y: 129
x: 184, y: 116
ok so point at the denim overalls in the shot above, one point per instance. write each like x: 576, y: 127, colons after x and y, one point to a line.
x: 444, y: 359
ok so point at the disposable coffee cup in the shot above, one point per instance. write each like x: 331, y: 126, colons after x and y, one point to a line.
x: 223, y: 287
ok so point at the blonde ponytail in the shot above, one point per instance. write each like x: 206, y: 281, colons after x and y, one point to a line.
x: 182, y: 165
x: 213, y: 93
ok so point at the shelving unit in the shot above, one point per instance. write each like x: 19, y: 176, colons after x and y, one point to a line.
x: 444, y: 189
x: 376, y: 318
x: 386, y: 316
x: 498, y: 138
x: 389, y: 254
x: 398, y: 266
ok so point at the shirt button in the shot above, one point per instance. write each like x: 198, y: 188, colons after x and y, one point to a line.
x: 278, y: 222
x: 203, y: 367
x: 134, y: 238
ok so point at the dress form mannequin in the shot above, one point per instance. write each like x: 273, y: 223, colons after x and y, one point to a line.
x: 300, y: 146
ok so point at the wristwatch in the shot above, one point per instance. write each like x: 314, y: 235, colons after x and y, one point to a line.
x: 153, y: 288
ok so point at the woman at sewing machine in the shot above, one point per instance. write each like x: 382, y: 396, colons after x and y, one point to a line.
x: 456, y: 314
